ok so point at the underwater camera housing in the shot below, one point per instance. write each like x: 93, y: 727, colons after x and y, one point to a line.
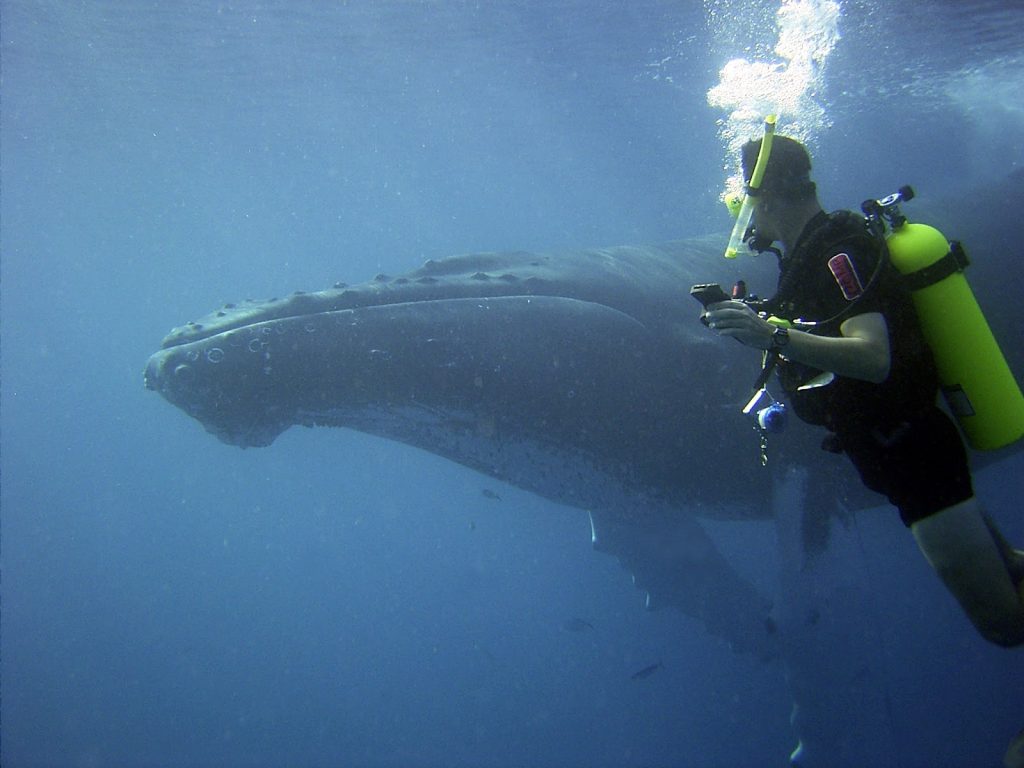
x: 709, y: 293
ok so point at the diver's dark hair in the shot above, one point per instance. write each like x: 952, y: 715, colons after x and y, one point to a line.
x: 788, y: 174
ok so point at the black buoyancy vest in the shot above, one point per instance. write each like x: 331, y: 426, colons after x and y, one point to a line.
x: 850, y: 404
x: 840, y: 228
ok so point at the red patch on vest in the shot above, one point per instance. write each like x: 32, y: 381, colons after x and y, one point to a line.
x: 841, y: 266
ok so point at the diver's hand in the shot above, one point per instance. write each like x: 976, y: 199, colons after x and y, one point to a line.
x: 736, y: 319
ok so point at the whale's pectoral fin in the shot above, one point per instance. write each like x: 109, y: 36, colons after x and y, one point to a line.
x: 677, y: 564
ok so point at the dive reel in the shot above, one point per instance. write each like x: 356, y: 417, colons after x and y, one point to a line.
x: 769, y: 415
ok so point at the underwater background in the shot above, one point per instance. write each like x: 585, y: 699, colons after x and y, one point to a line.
x: 336, y: 599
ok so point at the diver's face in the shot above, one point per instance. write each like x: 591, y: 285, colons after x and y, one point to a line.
x: 764, y: 219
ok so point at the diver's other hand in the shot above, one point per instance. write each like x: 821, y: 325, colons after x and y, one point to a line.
x: 736, y: 319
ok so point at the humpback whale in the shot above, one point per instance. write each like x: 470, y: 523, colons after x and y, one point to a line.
x: 581, y: 376
x: 584, y: 377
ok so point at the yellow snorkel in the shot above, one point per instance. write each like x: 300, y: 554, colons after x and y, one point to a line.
x: 746, y: 208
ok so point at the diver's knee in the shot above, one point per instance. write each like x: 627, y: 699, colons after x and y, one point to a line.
x: 1005, y: 635
x: 1003, y: 640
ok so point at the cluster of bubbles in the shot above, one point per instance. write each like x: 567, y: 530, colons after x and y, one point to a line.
x: 786, y: 79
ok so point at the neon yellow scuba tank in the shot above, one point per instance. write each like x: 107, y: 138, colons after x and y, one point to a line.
x: 975, y: 378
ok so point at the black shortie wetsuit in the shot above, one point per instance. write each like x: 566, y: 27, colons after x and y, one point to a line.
x: 901, y: 443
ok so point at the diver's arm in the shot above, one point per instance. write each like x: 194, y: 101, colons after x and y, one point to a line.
x: 862, y: 352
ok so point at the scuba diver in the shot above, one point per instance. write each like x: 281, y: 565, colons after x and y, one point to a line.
x: 862, y: 369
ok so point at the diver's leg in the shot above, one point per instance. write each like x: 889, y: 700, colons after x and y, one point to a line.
x: 1013, y: 558
x: 1015, y: 752
x: 969, y: 558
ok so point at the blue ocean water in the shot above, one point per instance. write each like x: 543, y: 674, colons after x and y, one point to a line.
x: 339, y: 600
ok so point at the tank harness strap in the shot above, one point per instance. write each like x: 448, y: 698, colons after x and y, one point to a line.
x: 954, y: 261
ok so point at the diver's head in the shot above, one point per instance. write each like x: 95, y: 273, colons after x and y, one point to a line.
x: 787, y: 198
x: 788, y: 175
